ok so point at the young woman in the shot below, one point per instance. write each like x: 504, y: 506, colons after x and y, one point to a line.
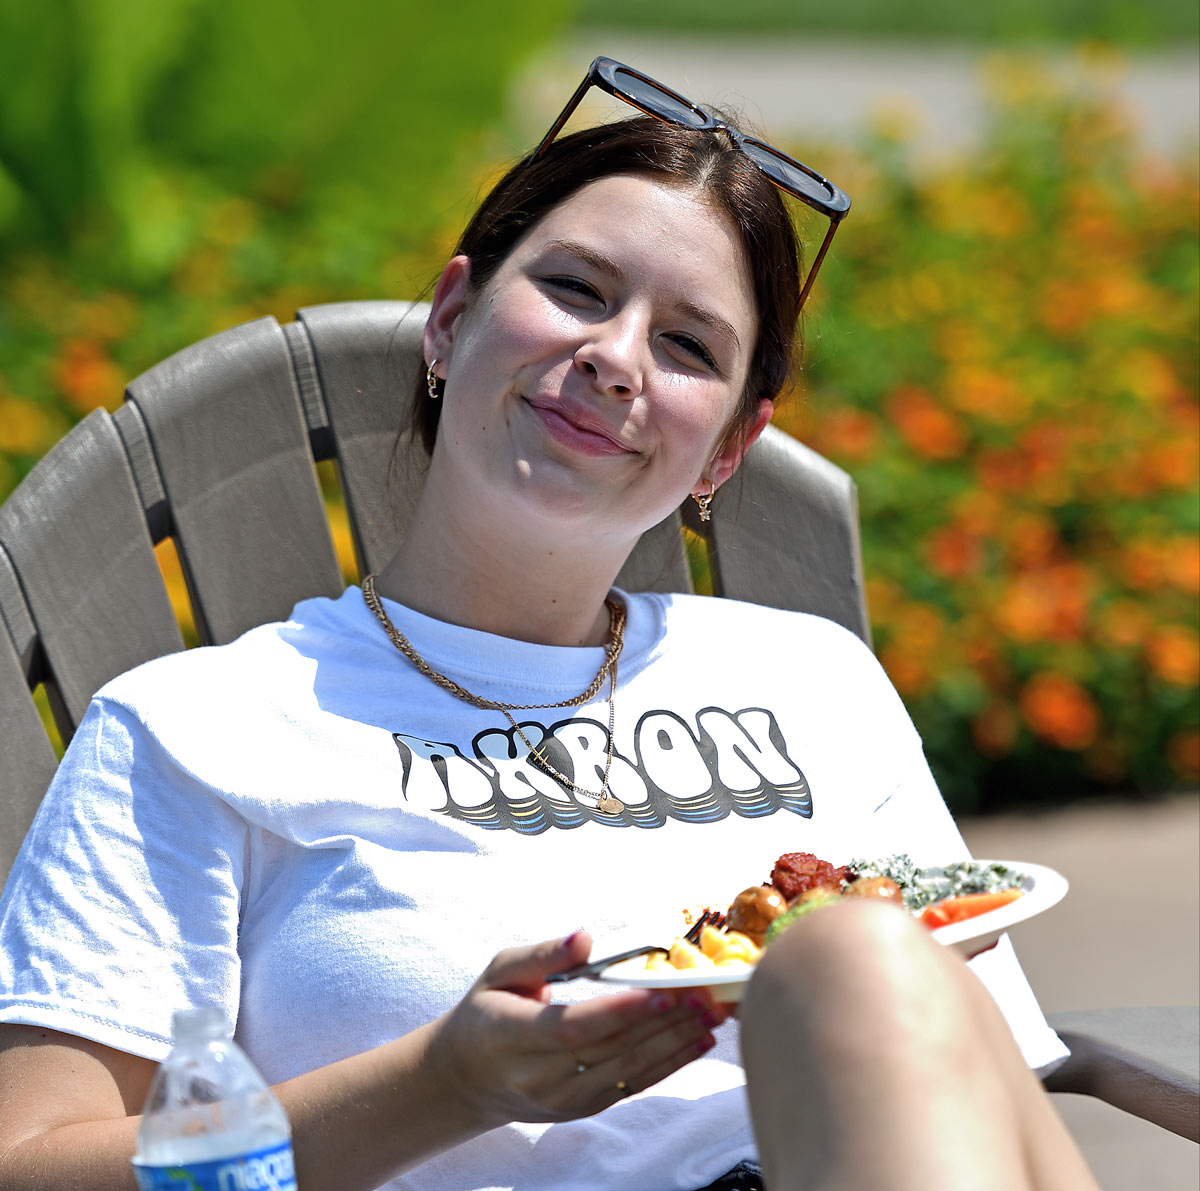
x: 328, y: 826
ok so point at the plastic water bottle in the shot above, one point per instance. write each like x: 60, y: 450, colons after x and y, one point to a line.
x: 210, y: 1121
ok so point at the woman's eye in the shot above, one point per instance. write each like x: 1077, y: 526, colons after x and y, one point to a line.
x: 695, y: 348
x: 573, y: 285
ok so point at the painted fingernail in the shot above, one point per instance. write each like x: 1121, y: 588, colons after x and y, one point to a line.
x: 660, y: 1003
x: 705, y: 1044
x: 696, y: 1004
x: 710, y: 1020
x: 569, y: 941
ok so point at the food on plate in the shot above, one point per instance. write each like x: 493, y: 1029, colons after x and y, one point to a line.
x: 797, y: 872
x: 754, y: 909
x: 969, y: 905
x: 716, y: 949
x: 806, y: 903
x: 802, y: 883
x: 880, y: 888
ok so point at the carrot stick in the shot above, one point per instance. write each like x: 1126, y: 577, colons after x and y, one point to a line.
x: 956, y: 909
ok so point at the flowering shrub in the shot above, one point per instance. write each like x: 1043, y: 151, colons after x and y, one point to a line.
x: 1003, y: 355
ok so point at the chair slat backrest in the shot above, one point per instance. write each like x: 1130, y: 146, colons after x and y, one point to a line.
x: 229, y: 436
x: 785, y: 532
x: 215, y: 448
x: 83, y: 598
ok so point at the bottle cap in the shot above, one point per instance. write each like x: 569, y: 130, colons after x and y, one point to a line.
x: 206, y: 1021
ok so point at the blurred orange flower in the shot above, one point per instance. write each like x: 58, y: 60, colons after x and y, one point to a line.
x: 992, y: 396
x: 1183, y: 754
x: 847, y: 434
x: 994, y: 730
x: 928, y: 428
x: 1002, y: 469
x: 1060, y: 711
x: 1032, y: 539
x: 911, y: 675
x: 1124, y: 624
x: 953, y: 552
x: 1173, y: 651
x: 1048, y: 604
x: 87, y: 377
x: 980, y: 512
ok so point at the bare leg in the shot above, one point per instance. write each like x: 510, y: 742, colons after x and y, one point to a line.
x: 877, y: 1060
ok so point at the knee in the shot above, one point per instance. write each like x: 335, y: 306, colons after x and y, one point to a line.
x: 858, y: 975
x: 863, y: 957
x: 845, y: 943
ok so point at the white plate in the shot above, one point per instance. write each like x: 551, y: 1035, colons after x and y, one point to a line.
x: 1043, y: 888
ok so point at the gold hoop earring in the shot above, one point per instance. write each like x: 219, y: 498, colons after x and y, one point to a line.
x: 704, y: 500
x: 431, y: 381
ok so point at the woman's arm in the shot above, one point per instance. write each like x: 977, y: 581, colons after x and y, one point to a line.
x: 504, y: 1053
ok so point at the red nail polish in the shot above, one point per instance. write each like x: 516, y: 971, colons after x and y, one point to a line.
x: 660, y: 1003
x: 705, y: 1044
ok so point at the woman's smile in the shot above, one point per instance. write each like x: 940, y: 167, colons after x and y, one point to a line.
x: 574, y: 427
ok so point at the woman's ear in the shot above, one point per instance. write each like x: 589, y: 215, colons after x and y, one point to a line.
x: 726, y: 462
x: 449, y: 302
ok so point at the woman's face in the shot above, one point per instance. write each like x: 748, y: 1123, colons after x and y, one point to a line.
x: 594, y: 377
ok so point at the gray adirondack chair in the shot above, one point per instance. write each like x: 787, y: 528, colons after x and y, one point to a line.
x: 215, y: 448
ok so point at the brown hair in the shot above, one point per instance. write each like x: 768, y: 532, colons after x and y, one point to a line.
x: 647, y: 147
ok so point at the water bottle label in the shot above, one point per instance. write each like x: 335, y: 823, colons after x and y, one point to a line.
x: 265, y: 1170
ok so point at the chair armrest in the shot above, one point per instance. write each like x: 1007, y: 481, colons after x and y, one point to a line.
x: 1145, y: 1061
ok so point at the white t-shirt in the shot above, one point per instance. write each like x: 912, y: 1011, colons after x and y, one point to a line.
x: 301, y: 828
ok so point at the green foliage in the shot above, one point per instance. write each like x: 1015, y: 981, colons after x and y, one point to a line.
x: 1132, y: 23
x: 131, y: 116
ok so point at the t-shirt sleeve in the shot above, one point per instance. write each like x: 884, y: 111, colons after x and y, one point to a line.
x: 124, y: 903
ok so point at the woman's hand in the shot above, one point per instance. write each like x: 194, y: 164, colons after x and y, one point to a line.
x: 513, y: 1056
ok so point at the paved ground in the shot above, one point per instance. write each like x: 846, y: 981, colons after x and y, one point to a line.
x: 831, y: 88
x: 1101, y: 948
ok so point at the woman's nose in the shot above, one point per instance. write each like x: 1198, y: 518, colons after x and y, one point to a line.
x: 611, y: 357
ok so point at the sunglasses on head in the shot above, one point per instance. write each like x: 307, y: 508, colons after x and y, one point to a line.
x: 652, y: 98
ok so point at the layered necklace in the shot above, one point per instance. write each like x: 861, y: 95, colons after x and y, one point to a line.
x: 604, y: 799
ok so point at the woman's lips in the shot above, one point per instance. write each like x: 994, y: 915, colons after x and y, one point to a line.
x: 574, y: 431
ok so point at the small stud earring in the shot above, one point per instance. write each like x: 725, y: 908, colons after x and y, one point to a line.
x: 704, y: 500
x: 431, y: 381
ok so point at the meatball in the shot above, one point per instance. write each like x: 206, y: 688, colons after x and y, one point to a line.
x: 877, y: 887
x: 754, y: 909
x: 797, y: 872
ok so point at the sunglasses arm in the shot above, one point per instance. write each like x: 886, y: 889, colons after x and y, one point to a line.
x: 566, y: 113
x: 812, y: 272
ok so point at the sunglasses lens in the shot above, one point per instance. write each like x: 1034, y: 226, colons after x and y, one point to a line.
x: 788, y: 172
x: 657, y: 101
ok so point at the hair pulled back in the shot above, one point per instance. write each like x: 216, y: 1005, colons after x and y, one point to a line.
x: 706, y: 161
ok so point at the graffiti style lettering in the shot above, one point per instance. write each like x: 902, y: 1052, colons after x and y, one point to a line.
x: 728, y: 763
x: 749, y: 749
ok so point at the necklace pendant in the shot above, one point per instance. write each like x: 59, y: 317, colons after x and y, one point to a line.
x: 610, y: 805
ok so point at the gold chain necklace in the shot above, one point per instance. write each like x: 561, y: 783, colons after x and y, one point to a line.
x: 612, y: 651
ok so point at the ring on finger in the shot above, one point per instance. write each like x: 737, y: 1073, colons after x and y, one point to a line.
x: 580, y: 1065
x: 624, y: 1088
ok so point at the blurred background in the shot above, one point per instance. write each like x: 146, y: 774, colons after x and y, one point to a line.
x: 1002, y: 348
